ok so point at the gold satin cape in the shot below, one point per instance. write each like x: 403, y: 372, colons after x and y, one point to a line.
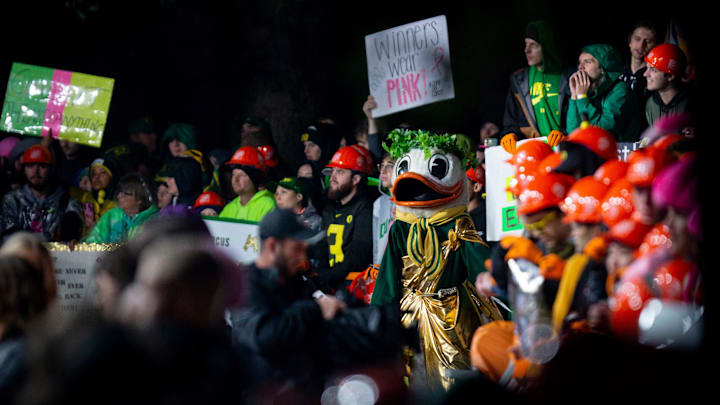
x: 436, y: 286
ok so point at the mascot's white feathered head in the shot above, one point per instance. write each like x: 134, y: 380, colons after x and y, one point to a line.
x: 429, y: 172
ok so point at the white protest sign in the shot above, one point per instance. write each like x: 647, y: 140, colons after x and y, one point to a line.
x: 501, y: 205
x: 74, y: 274
x: 409, y: 66
x: 238, y: 239
x: 625, y: 148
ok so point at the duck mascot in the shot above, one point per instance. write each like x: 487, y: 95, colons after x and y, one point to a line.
x: 434, y: 255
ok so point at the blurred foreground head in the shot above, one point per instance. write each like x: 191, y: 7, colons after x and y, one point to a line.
x: 29, y: 246
x: 179, y: 279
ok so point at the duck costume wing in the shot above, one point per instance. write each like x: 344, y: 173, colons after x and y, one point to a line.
x: 434, y: 252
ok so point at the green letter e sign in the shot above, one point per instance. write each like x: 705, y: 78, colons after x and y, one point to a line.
x: 510, y: 220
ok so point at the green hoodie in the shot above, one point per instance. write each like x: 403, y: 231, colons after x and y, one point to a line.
x: 612, y: 105
x: 116, y: 226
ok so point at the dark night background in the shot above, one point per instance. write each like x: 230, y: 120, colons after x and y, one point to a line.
x: 210, y: 63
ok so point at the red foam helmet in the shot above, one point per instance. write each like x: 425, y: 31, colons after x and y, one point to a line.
x: 543, y: 191
x: 617, y: 204
x: 598, y: 140
x: 209, y: 199
x: 582, y: 202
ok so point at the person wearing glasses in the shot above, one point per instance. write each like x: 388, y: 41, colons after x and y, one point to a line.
x: 134, y: 207
x: 546, y: 241
x: 383, y: 208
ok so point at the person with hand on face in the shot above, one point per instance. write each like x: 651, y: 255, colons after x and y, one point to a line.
x: 598, y: 93
x: 251, y: 203
x: 41, y: 205
x: 134, y: 207
x: 536, y: 103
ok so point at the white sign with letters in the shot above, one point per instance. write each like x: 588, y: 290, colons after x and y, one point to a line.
x: 409, y: 66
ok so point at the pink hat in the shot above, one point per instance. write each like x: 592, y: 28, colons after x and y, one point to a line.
x: 7, y: 144
x: 676, y: 186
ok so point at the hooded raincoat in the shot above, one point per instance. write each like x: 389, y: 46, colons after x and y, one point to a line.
x: 612, y: 105
x: 515, y: 119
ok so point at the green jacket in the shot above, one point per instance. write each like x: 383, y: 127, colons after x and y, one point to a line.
x: 116, y: 226
x: 259, y: 205
x: 463, y: 264
x: 611, y: 106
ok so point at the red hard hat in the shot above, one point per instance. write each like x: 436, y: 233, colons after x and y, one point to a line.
x: 368, y: 156
x: 36, y: 154
x: 617, y: 204
x: 629, y: 232
x: 209, y: 198
x: 268, y: 152
x: 658, y: 237
x: 247, y: 156
x: 582, y: 202
x: 611, y: 171
x: 531, y: 152
x: 598, y: 140
x: 668, y: 58
x: 543, y: 191
x: 672, y: 278
x: 477, y: 174
x: 351, y: 158
x: 625, y: 307
x: 645, y: 164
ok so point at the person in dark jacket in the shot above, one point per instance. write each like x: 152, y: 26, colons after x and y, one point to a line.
x: 641, y: 40
x: 347, y: 219
x: 538, y: 95
x: 297, y: 336
x: 669, y: 95
x: 319, y: 141
x: 41, y: 206
x: 184, y: 179
x: 22, y: 299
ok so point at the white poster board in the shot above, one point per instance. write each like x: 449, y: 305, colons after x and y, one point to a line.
x: 501, y: 205
x: 74, y: 274
x: 409, y: 66
x: 237, y: 239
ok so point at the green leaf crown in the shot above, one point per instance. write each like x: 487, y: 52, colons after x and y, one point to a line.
x: 403, y: 140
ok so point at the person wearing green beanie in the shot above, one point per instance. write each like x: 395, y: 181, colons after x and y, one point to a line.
x: 598, y: 93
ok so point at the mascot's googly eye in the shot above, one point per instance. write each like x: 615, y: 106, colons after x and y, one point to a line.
x: 402, y: 166
x: 438, y: 165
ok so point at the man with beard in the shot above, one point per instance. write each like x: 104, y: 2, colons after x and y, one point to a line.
x: 347, y: 219
x: 41, y: 206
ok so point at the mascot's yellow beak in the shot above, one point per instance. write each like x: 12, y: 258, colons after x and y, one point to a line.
x: 413, y: 190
